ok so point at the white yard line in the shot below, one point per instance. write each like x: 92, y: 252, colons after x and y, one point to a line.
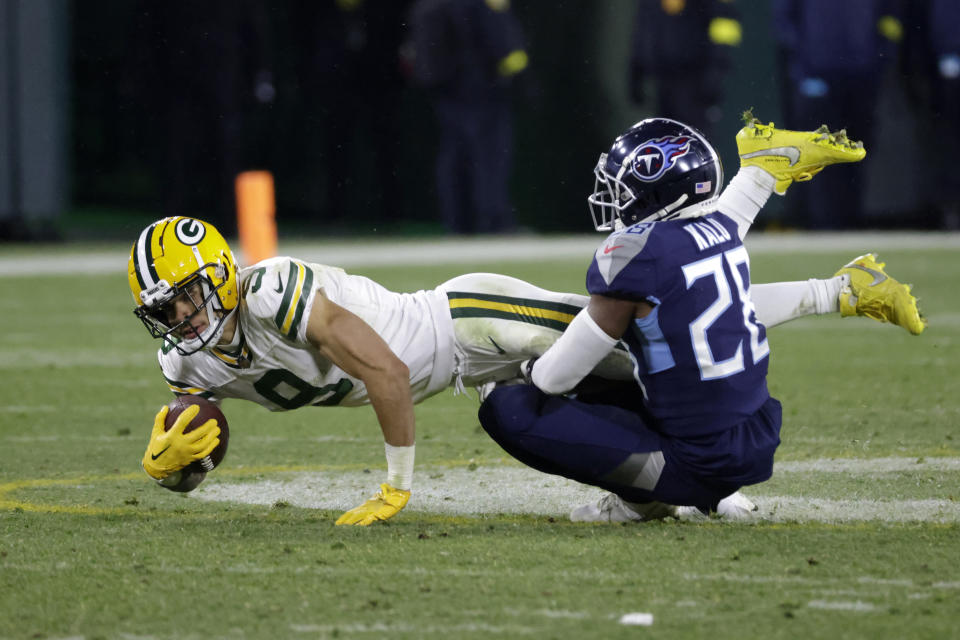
x: 517, y: 490
x: 386, y: 628
x: 68, y: 259
x: 868, y: 465
x: 839, y: 605
x: 818, y: 583
x: 806, y: 509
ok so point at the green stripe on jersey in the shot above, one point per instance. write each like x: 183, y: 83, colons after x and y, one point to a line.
x: 572, y: 309
x: 301, y: 302
x: 186, y: 389
x: 287, y: 295
x: 478, y: 312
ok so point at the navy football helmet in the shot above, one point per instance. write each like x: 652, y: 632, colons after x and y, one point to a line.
x: 660, y: 169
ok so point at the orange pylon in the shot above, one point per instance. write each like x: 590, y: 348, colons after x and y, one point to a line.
x: 256, y: 215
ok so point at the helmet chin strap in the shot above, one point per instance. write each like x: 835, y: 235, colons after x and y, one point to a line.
x: 697, y: 210
x: 220, y: 326
x: 664, y: 213
x: 218, y: 337
x: 210, y: 338
x: 673, y: 208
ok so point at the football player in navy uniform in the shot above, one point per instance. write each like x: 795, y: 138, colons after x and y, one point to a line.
x: 672, y: 284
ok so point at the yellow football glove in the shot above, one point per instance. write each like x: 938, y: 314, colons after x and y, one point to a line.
x: 385, y: 504
x: 172, y: 450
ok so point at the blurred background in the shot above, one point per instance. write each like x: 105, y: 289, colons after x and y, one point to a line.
x: 438, y: 117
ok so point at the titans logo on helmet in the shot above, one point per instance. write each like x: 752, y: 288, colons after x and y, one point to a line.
x: 655, y: 157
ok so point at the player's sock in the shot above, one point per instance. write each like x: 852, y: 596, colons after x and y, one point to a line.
x: 779, y: 302
x: 746, y: 194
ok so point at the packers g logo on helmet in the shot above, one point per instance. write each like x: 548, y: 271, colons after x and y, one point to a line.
x: 190, y: 231
x: 183, y: 259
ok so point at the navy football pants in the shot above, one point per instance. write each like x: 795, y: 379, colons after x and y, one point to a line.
x: 615, y: 449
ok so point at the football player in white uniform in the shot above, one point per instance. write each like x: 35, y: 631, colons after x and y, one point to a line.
x: 287, y: 334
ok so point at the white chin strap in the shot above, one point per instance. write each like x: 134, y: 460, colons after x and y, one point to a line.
x: 697, y: 210
x: 215, y: 326
x: 216, y: 330
x: 692, y: 211
x: 663, y: 214
x: 210, y: 337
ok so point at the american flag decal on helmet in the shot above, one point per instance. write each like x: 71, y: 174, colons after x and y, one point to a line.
x: 702, y: 187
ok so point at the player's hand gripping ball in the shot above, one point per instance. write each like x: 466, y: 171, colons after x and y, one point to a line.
x: 189, y: 438
x: 207, y: 411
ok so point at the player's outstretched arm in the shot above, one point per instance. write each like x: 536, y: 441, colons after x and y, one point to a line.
x: 586, y: 341
x: 170, y: 451
x: 351, y: 344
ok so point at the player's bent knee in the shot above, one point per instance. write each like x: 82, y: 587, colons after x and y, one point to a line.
x: 510, y: 409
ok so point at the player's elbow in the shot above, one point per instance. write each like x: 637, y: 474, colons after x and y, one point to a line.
x: 396, y: 369
x: 387, y: 375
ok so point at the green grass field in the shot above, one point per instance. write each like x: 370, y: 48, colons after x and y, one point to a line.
x: 857, y: 534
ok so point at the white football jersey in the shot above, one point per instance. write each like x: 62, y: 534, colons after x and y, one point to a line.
x: 271, y: 362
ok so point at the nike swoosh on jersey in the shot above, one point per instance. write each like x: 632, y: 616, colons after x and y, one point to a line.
x: 791, y: 153
x: 878, y: 277
x: 607, y: 250
x: 154, y: 457
x: 279, y: 288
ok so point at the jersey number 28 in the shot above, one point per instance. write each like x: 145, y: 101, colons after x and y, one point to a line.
x: 712, y: 267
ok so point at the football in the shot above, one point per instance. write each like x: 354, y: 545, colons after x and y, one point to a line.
x: 208, y: 410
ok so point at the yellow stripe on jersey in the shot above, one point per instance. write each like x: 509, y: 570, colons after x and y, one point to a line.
x: 240, y: 361
x: 182, y: 388
x: 239, y: 358
x: 533, y: 312
x: 555, y: 315
x: 290, y: 313
x: 191, y: 391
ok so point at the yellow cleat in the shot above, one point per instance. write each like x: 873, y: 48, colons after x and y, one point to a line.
x: 793, y: 156
x: 872, y: 293
x: 385, y: 504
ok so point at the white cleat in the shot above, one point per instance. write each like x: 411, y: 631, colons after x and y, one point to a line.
x: 613, y: 508
x: 736, y: 506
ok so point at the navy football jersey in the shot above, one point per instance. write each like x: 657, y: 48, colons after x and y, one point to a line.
x: 701, y: 356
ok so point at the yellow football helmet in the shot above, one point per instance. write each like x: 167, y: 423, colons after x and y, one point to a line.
x: 183, y: 261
